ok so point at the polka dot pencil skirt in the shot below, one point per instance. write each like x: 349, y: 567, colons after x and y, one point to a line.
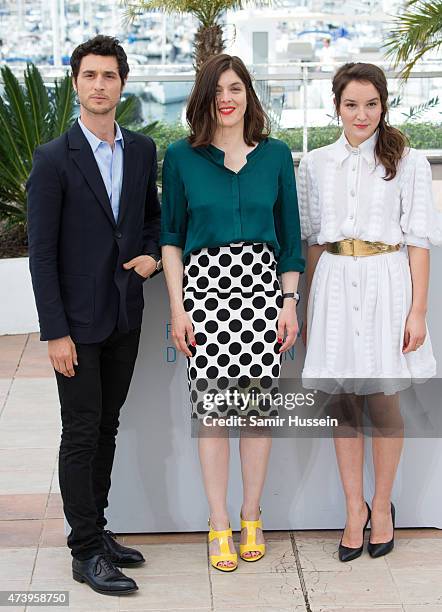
x: 233, y: 297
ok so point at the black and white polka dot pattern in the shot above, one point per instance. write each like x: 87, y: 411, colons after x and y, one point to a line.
x: 233, y: 296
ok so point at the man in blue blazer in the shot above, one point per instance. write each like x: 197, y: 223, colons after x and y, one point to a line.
x: 93, y: 224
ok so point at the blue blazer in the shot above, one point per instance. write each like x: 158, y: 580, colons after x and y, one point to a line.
x: 76, y: 249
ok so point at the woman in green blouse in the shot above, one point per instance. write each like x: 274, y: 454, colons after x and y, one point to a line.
x: 230, y: 227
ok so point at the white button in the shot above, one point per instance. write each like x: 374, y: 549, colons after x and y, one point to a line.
x: 357, y: 332
x: 355, y: 284
x: 353, y: 193
x: 354, y: 168
x: 351, y: 217
x: 356, y: 308
x: 370, y: 165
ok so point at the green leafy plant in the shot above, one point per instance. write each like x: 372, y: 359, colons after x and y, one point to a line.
x: 424, y: 135
x: 29, y: 116
x: 209, y: 36
x: 129, y: 115
x: 415, y: 32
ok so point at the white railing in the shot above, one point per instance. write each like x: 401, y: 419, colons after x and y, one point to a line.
x: 304, y: 73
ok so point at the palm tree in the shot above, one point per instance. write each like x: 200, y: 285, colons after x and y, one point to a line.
x: 209, y: 36
x: 415, y: 32
x: 31, y: 115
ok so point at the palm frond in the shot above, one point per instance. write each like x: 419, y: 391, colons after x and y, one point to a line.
x: 20, y: 119
x: 416, y: 112
x: 148, y: 130
x: 9, y: 210
x: 12, y: 172
x: 395, y: 102
x: 63, y: 108
x: 10, y: 148
x: 206, y: 11
x: 415, y: 32
x: 13, y: 196
x: 37, y: 100
x: 128, y: 115
x: 136, y: 8
x: 127, y: 110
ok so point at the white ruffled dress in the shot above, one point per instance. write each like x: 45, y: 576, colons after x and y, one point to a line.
x: 358, y: 306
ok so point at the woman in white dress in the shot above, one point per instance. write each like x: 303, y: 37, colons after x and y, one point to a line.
x: 367, y: 212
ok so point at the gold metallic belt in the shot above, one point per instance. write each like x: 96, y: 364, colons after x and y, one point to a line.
x: 360, y: 248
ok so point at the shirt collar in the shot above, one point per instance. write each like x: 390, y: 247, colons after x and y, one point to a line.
x: 94, y: 141
x: 343, y: 149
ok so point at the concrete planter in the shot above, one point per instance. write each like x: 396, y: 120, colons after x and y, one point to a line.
x: 18, y: 314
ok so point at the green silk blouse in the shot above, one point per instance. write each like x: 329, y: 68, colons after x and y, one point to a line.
x: 205, y: 204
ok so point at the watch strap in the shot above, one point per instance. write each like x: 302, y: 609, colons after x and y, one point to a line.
x: 158, y: 261
x: 291, y: 294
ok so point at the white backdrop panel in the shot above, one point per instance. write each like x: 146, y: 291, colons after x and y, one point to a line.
x: 156, y: 478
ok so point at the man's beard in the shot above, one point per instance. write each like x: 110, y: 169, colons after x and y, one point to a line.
x: 104, y: 110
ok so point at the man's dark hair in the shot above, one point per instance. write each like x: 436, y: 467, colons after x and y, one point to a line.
x: 100, y: 45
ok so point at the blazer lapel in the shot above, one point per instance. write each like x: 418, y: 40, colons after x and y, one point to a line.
x: 129, y: 172
x: 84, y: 158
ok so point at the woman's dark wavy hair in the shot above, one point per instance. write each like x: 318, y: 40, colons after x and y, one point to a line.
x: 201, y: 108
x: 100, y: 45
x: 391, y: 142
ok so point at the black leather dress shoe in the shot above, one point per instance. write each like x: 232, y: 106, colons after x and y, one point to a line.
x: 102, y: 576
x: 122, y: 556
x: 383, y: 548
x: 349, y: 554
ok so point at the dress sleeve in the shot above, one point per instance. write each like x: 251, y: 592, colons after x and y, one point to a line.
x: 308, y: 202
x: 286, y: 215
x: 173, y: 206
x: 420, y: 221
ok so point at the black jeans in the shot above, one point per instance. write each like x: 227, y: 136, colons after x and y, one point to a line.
x: 90, y: 409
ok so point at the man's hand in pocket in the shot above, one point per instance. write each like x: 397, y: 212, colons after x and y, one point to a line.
x: 144, y: 265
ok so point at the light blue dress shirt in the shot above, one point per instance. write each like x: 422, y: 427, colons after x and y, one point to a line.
x: 110, y: 163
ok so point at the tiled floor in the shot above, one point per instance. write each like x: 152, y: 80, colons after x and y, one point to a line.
x: 299, y: 573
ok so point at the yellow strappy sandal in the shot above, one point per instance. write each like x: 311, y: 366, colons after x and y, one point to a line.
x: 223, y: 537
x: 251, y: 545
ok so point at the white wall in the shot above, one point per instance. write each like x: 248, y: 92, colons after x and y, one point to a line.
x: 18, y: 314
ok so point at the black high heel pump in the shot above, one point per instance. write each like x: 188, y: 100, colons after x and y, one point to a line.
x: 349, y: 554
x: 383, y: 548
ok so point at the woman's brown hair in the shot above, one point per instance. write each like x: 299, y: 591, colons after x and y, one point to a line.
x: 201, y: 109
x: 391, y: 142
